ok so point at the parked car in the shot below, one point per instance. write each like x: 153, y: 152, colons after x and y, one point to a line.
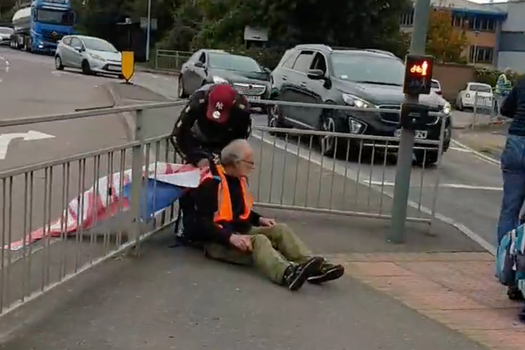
x: 91, y: 55
x: 360, y: 78
x: 5, y: 35
x: 216, y: 66
x: 436, y: 87
x: 467, y: 96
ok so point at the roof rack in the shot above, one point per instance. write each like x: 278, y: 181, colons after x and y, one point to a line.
x: 381, y: 52
x: 309, y: 46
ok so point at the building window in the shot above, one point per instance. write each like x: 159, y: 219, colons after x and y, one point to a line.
x: 480, y: 54
x: 481, y: 24
x: 457, y: 21
x: 407, y: 19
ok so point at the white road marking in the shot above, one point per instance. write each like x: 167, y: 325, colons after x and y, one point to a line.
x: 6, y: 62
x: 458, y: 186
x: 480, y: 155
x: 459, y: 149
x: 5, y: 139
x: 352, y: 175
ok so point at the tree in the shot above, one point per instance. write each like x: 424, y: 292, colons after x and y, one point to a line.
x: 444, y: 41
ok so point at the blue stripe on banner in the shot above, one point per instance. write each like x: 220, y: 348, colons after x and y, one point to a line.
x: 156, y: 195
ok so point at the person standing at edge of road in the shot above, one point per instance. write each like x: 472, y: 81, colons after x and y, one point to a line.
x: 513, y: 161
x: 232, y: 232
x: 215, y: 115
x: 513, y: 167
x: 502, y: 89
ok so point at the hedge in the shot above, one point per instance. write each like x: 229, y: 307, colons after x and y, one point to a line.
x: 490, y: 76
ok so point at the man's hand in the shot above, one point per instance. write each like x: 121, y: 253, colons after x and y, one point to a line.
x: 241, y: 242
x: 203, y: 163
x: 266, y: 222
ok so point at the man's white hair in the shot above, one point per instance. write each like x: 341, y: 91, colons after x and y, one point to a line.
x: 234, y: 152
x: 508, y: 70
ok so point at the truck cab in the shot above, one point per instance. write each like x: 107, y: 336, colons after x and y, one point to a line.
x: 40, y: 26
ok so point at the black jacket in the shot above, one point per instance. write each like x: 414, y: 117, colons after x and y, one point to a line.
x: 205, y: 199
x: 514, y: 107
x: 197, y: 137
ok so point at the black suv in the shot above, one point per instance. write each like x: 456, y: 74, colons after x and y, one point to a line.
x: 352, y: 77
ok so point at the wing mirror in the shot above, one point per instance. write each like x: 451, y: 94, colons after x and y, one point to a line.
x: 315, y: 74
x: 199, y: 64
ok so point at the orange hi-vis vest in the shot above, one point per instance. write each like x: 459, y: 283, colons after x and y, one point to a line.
x: 224, y: 212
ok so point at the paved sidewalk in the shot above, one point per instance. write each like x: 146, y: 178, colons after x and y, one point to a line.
x: 177, y: 299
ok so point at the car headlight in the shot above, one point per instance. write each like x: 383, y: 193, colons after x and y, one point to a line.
x: 446, y: 108
x: 96, y: 57
x: 219, y: 80
x: 354, y: 101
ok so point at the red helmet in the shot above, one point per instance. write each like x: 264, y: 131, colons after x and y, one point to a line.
x: 220, y: 102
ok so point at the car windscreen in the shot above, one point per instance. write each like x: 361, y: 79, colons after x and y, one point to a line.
x: 233, y: 62
x: 372, y: 69
x: 480, y: 88
x: 54, y: 16
x: 98, y: 45
x: 6, y: 31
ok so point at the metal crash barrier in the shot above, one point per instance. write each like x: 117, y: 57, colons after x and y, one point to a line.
x: 48, y: 234
x: 171, y: 59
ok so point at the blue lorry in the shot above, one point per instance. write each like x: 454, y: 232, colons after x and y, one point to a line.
x: 41, y: 24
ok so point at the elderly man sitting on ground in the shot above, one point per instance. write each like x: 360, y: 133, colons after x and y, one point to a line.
x: 232, y: 232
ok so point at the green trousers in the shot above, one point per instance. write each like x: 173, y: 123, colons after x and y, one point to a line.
x: 274, y: 249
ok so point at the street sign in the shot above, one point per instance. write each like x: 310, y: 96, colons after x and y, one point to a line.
x: 5, y: 139
x: 418, y: 74
x: 144, y: 23
x: 128, y: 64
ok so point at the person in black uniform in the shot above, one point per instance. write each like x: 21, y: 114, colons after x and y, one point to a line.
x: 215, y: 115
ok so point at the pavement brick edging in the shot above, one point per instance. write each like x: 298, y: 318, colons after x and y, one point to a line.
x: 458, y: 290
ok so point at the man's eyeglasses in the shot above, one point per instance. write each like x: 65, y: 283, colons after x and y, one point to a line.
x: 250, y: 163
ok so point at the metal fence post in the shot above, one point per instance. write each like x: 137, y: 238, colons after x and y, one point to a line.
x: 137, y: 182
x: 406, y: 143
x: 156, y: 59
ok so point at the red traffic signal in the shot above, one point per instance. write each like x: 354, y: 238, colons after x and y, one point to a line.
x: 418, y: 74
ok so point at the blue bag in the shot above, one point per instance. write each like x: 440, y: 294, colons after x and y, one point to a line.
x: 510, y: 259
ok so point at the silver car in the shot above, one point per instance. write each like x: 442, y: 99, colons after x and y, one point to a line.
x: 92, y: 55
x: 5, y: 35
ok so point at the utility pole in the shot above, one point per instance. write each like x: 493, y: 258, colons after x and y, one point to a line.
x: 406, y: 142
x: 148, y: 32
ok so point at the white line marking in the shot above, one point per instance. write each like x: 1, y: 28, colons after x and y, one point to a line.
x: 458, y: 186
x: 5, y: 139
x: 352, y: 175
x: 478, y: 154
x: 459, y: 149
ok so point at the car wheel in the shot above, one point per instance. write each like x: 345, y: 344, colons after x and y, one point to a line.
x: 425, y: 159
x: 86, y: 69
x: 181, y: 89
x: 331, y: 124
x: 58, y: 63
x: 275, y: 118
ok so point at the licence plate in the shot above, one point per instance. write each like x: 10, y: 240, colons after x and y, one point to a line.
x: 484, y: 101
x: 255, y: 98
x: 114, y: 68
x: 419, y: 134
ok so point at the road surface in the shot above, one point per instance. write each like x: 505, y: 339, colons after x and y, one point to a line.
x: 470, y: 187
x: 32, y: 87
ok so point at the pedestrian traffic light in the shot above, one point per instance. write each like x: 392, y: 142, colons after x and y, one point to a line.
x: 418, y: 74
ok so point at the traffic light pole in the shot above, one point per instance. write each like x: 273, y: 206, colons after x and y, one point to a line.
x: 406, y: 142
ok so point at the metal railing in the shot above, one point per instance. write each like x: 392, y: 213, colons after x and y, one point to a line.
x: 48, y: 235
x: 170, y: 59
x: 485, y: 109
